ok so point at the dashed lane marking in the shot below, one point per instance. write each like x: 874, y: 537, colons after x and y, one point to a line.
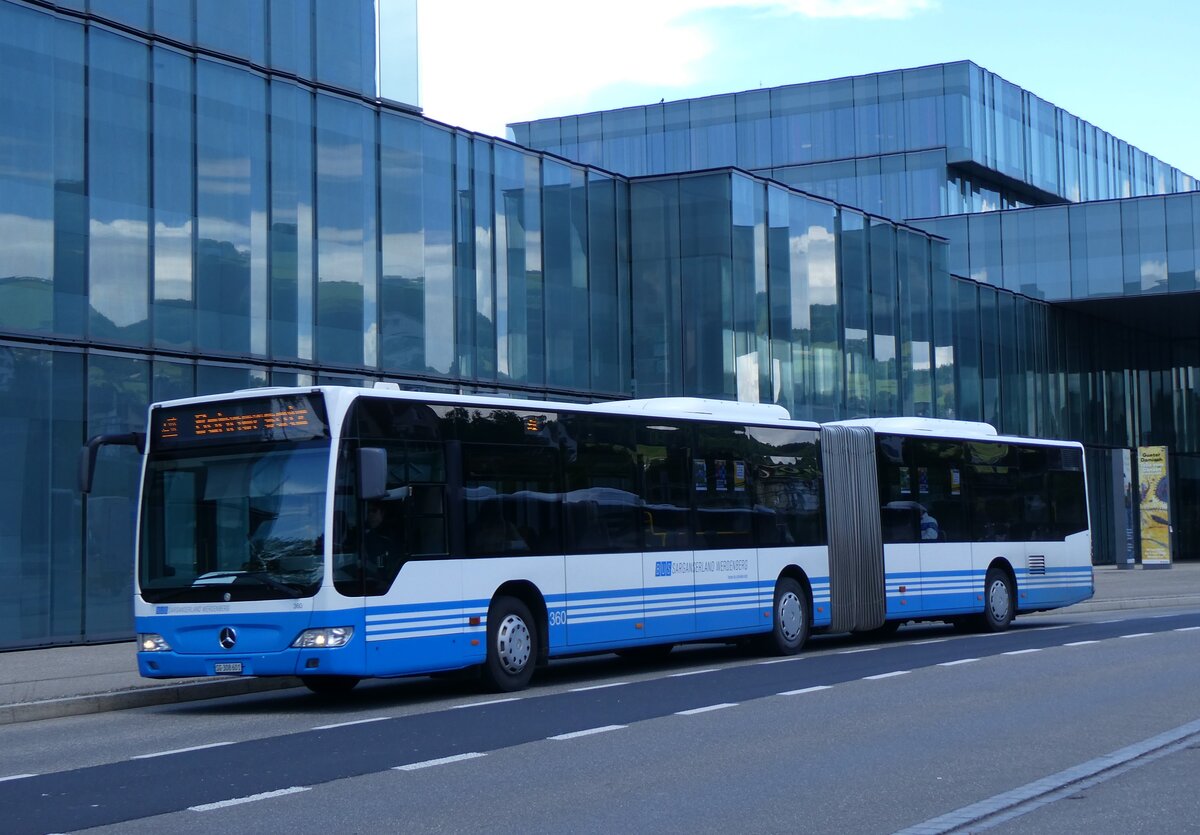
x: 180, y: 750
x: 804, y: 690
x: 353, y: 722
x: 237, y: 801
x: 892, y: 674
x: 588, y: 732
x: 457, y: 758
x: 597, y: 686
x: 705, y: 709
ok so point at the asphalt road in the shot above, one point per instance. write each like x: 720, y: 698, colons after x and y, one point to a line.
x: 929, y: 730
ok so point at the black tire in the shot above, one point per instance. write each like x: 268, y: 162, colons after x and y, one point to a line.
x: 645, y: 655
x: 512, y: 643
x: 330, y: 685
x: 790, y: 620
x: 999, y: 601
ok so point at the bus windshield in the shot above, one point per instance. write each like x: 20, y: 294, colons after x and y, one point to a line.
x: 236, y: 524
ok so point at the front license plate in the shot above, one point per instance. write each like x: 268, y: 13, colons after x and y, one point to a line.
x: 234, y: 667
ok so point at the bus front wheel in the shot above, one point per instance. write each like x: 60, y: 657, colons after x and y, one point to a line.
x: 512, y: 646
x: 790, y: 619
x: 998, y: 601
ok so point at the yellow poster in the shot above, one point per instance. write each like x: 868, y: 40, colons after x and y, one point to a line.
x: 1154, y: 503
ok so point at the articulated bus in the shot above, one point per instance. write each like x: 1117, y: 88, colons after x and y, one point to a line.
x: 336, y: 533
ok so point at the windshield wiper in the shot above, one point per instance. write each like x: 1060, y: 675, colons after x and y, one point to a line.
x: 261, y: 576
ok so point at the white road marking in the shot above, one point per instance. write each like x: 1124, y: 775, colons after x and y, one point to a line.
x: 710, y: 670
x: 929, y: 641
x: 1114, y: 620
x: 1137, y: 635
x: 488, y: 702
x: 439, y: 761
x: 16, y: 777
x: 959, y: 661
x: 1079, y: 643
x: 597, y: 686
x: 221, y: 804
x: 853, y: 651
x: 777, y: 660
x: 705, y: 709
x: 347, y: 724
x: 180, y: 750
x: 804, y: 690
x: 1052, y: 628
x: 1021, y: 651
x: 588, y: 732
x: 1187, y: 628
x: 887, y: 675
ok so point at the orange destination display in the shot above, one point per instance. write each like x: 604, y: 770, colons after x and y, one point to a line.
x: 257, y: 420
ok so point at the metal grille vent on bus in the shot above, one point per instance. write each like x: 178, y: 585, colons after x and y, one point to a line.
x: 1037, y: 564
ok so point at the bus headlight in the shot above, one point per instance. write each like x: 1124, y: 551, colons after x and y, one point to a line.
x: 152, y: 642
x: 327, y: 638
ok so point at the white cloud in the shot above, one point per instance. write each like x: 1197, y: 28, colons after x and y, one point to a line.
x: 484, y: 64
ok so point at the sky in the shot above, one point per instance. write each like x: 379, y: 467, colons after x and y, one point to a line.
x: 1131, y: 68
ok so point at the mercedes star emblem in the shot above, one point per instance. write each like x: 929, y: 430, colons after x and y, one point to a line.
x: 228, y: 637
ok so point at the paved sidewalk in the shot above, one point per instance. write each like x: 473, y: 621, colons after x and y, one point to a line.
x: 67, y: 681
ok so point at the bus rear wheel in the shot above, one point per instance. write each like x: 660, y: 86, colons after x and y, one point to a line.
x: 330, y: 685
x: 789, y: 621
x: 511, y: 646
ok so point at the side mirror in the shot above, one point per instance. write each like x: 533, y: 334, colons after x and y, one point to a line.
x: 372, y: 473
x: 87, y: 455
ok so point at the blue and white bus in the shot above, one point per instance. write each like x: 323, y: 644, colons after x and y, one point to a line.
x: 337, y: 533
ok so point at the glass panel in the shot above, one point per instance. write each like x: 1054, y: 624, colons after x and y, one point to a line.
x: 346, y: 323
x: 856, y: 312
x: 709, y: 304
x: 603, y: 296
x: 174, y: 19
x: 885, y: 373
x: 117, y: 397
x: 485, y: 289
x: 822, y: 369
x: 135, y: 13
x: 656, y: 326
x: 291, y: 36
x: 43, y: 210
x: 174, y: 193
x: 119, y: 187
x: 41, y: 429
x: 345, y: 44
x: 291, y: 221
x: 564, y: 241
x: 233, y: 27
x: 231, y: 205
x: 1181, y: 243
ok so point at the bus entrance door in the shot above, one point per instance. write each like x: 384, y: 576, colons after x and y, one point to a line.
x: 668, y: 579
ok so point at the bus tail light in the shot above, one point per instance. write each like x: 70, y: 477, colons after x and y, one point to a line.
x: 326, y: 638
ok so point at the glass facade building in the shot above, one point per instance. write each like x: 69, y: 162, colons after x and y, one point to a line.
x: 919, y: 142
x: 199, y: 195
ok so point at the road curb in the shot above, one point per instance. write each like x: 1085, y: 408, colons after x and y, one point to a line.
x: 140, y: 697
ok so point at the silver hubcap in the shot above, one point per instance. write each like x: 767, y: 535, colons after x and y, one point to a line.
x: 790, y: 613
x: 513, y: 646
x: 998, y: 601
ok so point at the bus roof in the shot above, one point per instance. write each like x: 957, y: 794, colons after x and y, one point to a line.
x: 694, y: 408
x: 966, y: 430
